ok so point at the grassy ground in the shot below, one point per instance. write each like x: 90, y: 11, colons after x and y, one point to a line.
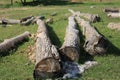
x: 13, y: 65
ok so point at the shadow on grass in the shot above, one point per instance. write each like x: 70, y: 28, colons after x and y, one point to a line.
x: 11, y: 50
x: 54, y: 39
x: 50, y: 2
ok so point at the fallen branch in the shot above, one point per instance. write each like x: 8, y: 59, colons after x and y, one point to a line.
x: 95, y: 43
x: 12, y: 42
x: 107, y: 10
x: 46, y: 55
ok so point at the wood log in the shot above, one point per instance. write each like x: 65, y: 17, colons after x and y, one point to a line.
x: 113, y: 15
x: 107, y: 10
x: 4, y: 22
x: 12, y: 42
x: 90, y: 17
x: 95, y: 43
x: 70, y: 48
x: 46, y: 55
x: 114, y: 25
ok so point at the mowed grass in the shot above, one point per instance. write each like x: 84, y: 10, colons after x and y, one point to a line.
x: 14, y: 66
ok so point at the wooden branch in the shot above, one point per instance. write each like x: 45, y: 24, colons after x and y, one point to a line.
x: 12, y: 42
x: 88, y: 16
x: 113, y: 25
x: 47, y: 56
x: 113, y: 15
x: 95, y: 43
x: 70, y: 48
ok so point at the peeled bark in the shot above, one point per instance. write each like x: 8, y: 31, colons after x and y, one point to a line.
x: 88, y: 16
x: 113, y: 25
x: 70, y: 48
x: 46, y: 55
x: 95, y: 43
x: 12, y: 42
x: 113, y: 15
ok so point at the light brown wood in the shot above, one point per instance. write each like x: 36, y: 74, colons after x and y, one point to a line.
x: 46, y: 55
x: 12, y: 42
x: 70, y: 48
x: 94, y: 42
x: 114, y: 25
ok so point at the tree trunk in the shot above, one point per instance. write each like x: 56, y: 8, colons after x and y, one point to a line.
x: 47, y: 56
x: 70, y: 48
x: 11, y: 2
x: 95, y: 43
x: 89, y: 17
x: 12, y: 42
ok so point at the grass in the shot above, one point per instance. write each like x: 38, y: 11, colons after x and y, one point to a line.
x: 13, y: 66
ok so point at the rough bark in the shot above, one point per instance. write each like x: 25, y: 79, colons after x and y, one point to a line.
x: 114, y: 25
x: 88, y: 16
x: 46, y: 55
x: 12, y: 42
x: 95, y: 43
x: 107, y: 10
x: 113, y: 15
x: 70, y: 48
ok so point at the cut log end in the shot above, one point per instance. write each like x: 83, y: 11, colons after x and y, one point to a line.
x: 98, y: 47
x: 46, y: 68
x: 69, y: 54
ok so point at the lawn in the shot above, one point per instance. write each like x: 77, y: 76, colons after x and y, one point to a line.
x: 14, y: 66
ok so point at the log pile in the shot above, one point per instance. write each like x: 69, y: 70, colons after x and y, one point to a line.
x: 8, y: 44
x: 95, y: 43
x: 114, y: 25
x: 46, y: 55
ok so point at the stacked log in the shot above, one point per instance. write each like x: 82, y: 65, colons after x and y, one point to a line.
x: 46, y: 56
x: 12, y: 42
x: 95, y: 43
x: 114, y: 25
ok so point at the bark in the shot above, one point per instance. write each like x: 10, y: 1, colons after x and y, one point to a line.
x: 113, y: 15
x: 88, y: 16
x: 9, y: 21
x: 12, y: 42
x: 107, y: 10
x: 70, y: 48
x: 46, y: 55
x: 113, y: 25
x: 95, y: 43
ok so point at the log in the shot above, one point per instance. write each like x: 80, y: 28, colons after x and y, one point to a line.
x: 90, y: 17
x: 8, y: 44
x: 95, y: 43
x: 70, y: 48
x: 114, y: 15
x: 107, y: 10
x: 114, y: 25
x: 4, y: 22
x: 46, y: 55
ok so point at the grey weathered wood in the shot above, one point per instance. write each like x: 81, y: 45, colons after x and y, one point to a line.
x: 114, y: 25
x: 46, y: 55
x: 88, y: 16
x: 10, y: 43
x: 70, y: 48
x: 114, y: 15
x: 94, y: 43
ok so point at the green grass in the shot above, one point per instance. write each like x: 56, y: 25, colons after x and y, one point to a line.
x: 13, y: 66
